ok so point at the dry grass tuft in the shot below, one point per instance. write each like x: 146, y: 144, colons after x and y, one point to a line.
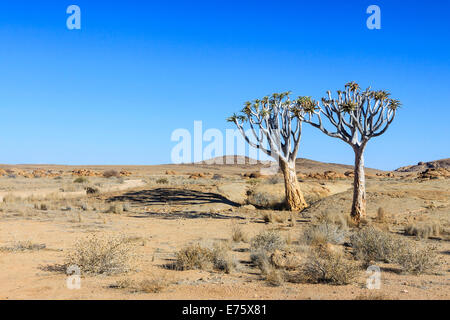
x: 156, y: 285
x: 424, y: 230
x: 237, y: 234
x: 21, y: 246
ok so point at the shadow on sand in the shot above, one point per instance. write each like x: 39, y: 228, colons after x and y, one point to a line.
x: 162, y: 196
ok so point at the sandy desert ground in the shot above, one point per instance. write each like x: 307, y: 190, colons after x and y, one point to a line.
x: 137, y: 233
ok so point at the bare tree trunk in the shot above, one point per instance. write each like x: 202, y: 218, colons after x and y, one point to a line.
x: 359, y: 187
x: 294, y: 196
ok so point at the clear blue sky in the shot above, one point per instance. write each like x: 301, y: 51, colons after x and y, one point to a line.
x: 113, y: 92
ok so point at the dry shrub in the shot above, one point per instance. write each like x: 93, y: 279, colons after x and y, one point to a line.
x: 266, y: 200
x: 162, y: 181
x: 108, y: 255
x: 275, y: 277
x: 292, y: 220
x: 24, y: 246
x: 222, y: 259
x: 198, y: 257
x: 381, y: 215
x: 323, y: 233
x: 333, y: 217
x: 92, y: 190
x: 81, y: 180
x: 144, y: 286
x: 417, y: 259
x: 111, y: 173
x: 370, y: 244
x: 268, y: 217
x: 194, y: 257
x: 261, y: 260
x: 373, y: 296
x: 237, y: 234
x: 116, y: 208
x: 281, y: 217
x: 424, y: 230
x: 269, y: 240
x: 327, y: 267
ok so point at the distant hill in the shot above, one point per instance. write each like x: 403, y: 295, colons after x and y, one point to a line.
x: 302, y: 165
x: 421, y: 166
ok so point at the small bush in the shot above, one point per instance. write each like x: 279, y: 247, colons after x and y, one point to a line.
x: 274, y: 180
x: 92, y: 190
x: 145, y: 286
x: 267, y: 217
x: 222, y: 260
x: 275, y: 277
x: 24, y: 246
x: 111, y: 173
x: 81, y: 180
x: 332, y: 217
x: 323, y: 233
x: 326, y: 267
x: 261, y: 260
x: 370, y: 244
x: 95, y: 255
x: 417, y: 259
x: 116, y: 208
x: 381, y: 215
x: 197, y: 257
x: 268, y: 241
x: 424, y: 230
x: 266, y: 200
x: 162, y: 181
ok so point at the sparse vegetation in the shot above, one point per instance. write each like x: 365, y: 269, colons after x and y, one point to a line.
x: 370, y: 244
x: 155, y: 285
x: 23, y: 246
x: 417, y: 259
x: 162, y: 181
x: 196, y: 256
x: 327, y: 267
x: 111, y: 173
x: 237, y: 234
x: 108, y: 255
x: 268, y: 241
x: 424, y: 230
x: 81, y: 180
x: 323, y: 233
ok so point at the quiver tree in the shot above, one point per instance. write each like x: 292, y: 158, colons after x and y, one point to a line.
x: 276, y: 129
x: 354, y: 117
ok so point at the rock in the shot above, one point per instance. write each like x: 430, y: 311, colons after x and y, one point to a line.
x: 236, y: 192
x: 439, y: 173
x: 249, y: 207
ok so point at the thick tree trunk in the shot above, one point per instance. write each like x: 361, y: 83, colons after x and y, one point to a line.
x: 359, y: 187
x: 294, y: 196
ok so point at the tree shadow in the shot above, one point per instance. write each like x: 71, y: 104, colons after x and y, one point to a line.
x: 186, y: 215
x: 162, y: 196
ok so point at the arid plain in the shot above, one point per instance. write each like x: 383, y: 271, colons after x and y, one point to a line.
x: 211, y: 231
